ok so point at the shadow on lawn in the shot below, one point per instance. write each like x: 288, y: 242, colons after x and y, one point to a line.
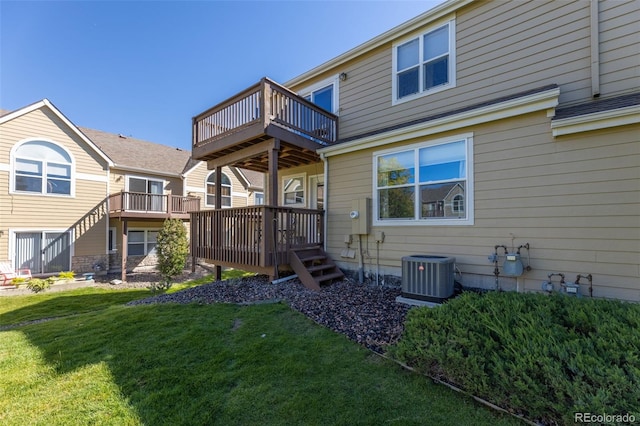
x: 229, y: 364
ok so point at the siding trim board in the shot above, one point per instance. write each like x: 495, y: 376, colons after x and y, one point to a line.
x: 545, y: 98
x: 596, y: 121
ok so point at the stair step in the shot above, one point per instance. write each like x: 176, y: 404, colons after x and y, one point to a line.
x: 329, y: 277
x: 321, y: 267
x: 312, y: 258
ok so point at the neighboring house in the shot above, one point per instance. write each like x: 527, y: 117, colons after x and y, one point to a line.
x: 473, y: 125
x: 74, y: 198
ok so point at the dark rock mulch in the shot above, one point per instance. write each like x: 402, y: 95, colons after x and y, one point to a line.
x: 366, y: 314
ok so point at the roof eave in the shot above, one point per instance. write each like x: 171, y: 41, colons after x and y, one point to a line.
x: 401, y: 30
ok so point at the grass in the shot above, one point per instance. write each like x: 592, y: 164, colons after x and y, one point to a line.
x: 202, y: 364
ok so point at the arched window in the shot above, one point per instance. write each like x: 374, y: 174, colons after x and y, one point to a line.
x: 42, y: 167
x: 211, y: 190
x: 458, y: 204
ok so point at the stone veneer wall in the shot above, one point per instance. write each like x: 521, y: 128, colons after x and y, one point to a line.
x: 82, y: 264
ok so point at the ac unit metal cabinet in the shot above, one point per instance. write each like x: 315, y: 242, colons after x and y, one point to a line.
x: 428, y: 277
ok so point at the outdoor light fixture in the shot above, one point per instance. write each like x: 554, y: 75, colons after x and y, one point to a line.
x: 343, y: 76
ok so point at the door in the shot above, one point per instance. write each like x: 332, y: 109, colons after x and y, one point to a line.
x: 43, y: 252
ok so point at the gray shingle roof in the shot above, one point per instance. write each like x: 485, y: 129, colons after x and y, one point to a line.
x: 126, y: 151
x: 598, y: 105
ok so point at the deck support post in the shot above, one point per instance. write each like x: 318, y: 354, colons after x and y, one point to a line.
x: 220, y: 225
x: 125, y: 242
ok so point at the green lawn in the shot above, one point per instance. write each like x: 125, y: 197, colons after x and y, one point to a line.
x: 104, y: 363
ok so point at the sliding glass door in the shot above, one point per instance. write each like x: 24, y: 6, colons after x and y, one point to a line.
x: 43, y: 252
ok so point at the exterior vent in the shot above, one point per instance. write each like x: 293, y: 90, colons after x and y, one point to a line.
x: 428, y: 277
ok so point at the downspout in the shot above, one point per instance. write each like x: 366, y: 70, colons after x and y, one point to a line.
x: 325, y: 219
x: 594, y: 28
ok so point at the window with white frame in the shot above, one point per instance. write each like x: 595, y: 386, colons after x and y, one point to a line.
x: 225, y: 188
x: 145, y: 194
x: 425, y: 63
x: 427, y: 183
x: 323, y: 94
x: 259, y: 198
x: 293, y: 193
x: 141, y: 242
x: 42, y: 167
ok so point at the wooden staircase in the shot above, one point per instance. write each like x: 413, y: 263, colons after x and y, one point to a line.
x: 314, y: 267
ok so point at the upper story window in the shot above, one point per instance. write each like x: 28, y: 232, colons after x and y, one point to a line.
x: 324, y: 94
x: 429, y: 183
x: 42, y: 167
x: 211, y: 190
x: 424, y: 64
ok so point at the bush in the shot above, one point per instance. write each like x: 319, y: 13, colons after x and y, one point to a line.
x: 172, y: 248
x: 66, y: 275
x: 37, y: 285
x: 546, y: 357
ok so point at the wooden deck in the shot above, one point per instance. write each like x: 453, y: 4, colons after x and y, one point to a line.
x: 255, y: 239
x: 151, y: 206
x: 237, y: 129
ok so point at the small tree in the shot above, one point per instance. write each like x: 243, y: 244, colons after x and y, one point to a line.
x: 172, y: 249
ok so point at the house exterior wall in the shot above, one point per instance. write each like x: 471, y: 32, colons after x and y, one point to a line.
x: 172, y: 185
x: 195, y: 184
x: 574, y: 199
x: 501, y: 48
x: 84, y: 213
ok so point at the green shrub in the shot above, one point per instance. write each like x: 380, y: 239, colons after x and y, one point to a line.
x: 546, y: 357
x: 172, y: 248
x: 37, y: 285
x: 66, y: 275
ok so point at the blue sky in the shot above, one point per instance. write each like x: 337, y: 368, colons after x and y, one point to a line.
x: 144, y: 68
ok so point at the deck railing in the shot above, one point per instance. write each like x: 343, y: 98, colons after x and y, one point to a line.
x: 152, y: 203
x: 255, y: 237
x: 268, y: 103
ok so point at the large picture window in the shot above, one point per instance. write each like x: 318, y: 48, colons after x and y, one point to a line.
x: 424, y: 63
x: 427, y: 183
x: 293, y: 191
x: 42, y: 167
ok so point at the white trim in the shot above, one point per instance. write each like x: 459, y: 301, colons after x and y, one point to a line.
x: 305, y: 191
x: 5, y: 167
x: 147, y: 171
x: 331, y: 81
x: 146, y: 239
x: 469, y: 196
x: 113, y: 229
x: 511, y: 108
x: 230, y: 186
x: 92, y: 178
x: 12, y: 170
x: 14, y: 231
x: 422, y: 20
x: 451, y: 71
x: 596, y: 121
x: 48, y: 104
x: 239, y: 194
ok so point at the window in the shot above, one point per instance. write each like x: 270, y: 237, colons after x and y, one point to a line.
x: 324, y: 94
x: 145, y: 194
x: 427, y: 183
x: 112, y: 240
x: 42, y: 167
x: 211, y: 190
x: 141, y: 242
x: 424, y: 64
x: 293, y: 191
x: 259, y: 198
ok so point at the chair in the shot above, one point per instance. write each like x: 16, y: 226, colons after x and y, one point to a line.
x: 8, y: 274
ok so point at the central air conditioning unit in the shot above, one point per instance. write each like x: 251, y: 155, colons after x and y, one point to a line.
x: 428, y: 277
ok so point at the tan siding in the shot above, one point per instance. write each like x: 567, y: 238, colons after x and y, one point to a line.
x: 619, y: 51
x: 197, y: 178
x: 575, y: 200
x: 501, y: 48
x: 84, y: 213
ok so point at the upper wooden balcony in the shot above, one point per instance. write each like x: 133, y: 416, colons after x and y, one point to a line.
x: 151, y: 206
x: 235, y: 128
